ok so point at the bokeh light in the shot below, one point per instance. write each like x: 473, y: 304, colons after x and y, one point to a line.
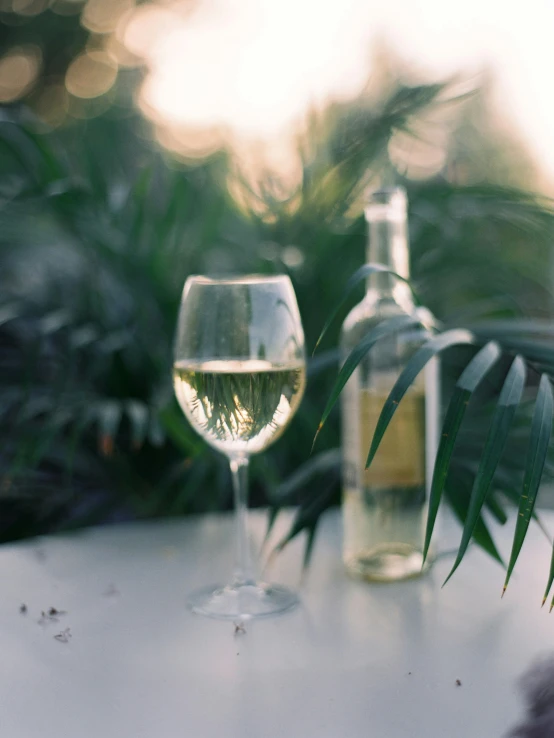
x: 91, y: 74
x: 29, y: 7
x: 145, y: 27
x: 119, y: 53
x: 19, y: 69
x: 102, y: 16
x: 251, y: 66
x: 187, y: 144
x: 253, y: 69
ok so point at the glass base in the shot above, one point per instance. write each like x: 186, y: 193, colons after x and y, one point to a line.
x: 388, y: 563
x: 256, y: 600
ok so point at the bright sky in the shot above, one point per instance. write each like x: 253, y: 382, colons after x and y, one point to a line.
x: 255, y: 66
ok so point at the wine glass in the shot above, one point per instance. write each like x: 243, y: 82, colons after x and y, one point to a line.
x: 239, y: 375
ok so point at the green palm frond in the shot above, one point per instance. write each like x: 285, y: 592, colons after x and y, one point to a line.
x: 98, y: 232
x: 516, y: 341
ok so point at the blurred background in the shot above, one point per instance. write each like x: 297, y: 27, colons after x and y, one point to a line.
x: 144, y: 141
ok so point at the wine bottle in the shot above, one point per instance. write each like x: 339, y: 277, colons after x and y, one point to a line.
x: 385, y: 506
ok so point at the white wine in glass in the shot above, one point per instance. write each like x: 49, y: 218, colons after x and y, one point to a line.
x: 239, y: 376
x: 239, y: 406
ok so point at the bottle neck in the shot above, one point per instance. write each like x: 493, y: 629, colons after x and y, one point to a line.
x: 388, y: 245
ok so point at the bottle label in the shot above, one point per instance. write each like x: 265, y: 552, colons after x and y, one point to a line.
x: 400, y: 459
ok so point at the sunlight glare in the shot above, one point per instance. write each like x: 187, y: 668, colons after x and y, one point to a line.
x: 252, y: 69
x: 251, y: 65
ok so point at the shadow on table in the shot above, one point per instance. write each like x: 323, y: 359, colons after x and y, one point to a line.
x: 537, y: 686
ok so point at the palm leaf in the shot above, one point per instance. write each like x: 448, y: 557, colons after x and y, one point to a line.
x: 309, y: 547
x: 272, y: 515
x: 508, y: 401
x: 138, y: 415
x: 156, y: 431
x: 458, y: 498
x: 539, y: 440
x: 393, y: 325
x: 492, y: 503
x: 109, y: 414
x: 173, y: 427
x: 468, y: 382
x: 139, y: 197
x: 550, y: 580
x: 408, y: 375
x: 55, y: 170
x: 513, y: 496
x: 325, y: 462
x: 359, y: 275
x: 307, y: 514
x: 23, y: 149
x: 514, y: 326
x: 9, y: 311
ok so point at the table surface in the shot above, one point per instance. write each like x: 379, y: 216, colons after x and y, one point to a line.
x: 355, y: 660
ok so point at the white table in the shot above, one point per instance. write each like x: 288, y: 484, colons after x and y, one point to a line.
x: 355, y: 661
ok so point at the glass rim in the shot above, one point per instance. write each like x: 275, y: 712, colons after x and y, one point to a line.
x: 207, y: 279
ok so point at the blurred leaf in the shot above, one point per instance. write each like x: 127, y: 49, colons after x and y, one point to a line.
x: 286, y: 493
x: 309, y: 547
x: 320, y: 464
x: 138, y: 415
x: 108, y: 413
x: 307, y: 515
x: 51, y: 161
x: 353, y: 150
x: 515, y: 326
x: 10, y: 311
x: 15, y: 140
x: 174, y: 426
x: 156, y: 431
x: 359, y: 275
x: 323, y: 361
x: 55, y: 320
x: 272, y: 515
x: 139, y: 197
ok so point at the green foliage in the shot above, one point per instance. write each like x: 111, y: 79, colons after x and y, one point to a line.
x: 394, y: 325
x: 470, y: 379
x: 98, y: 232
x: 416, y: 364
x: 539, y: 440
x: 469, y: 508
x: 502, y: 418
x: 359, y: 276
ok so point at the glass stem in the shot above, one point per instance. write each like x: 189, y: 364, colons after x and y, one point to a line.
x: 244, y: 571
